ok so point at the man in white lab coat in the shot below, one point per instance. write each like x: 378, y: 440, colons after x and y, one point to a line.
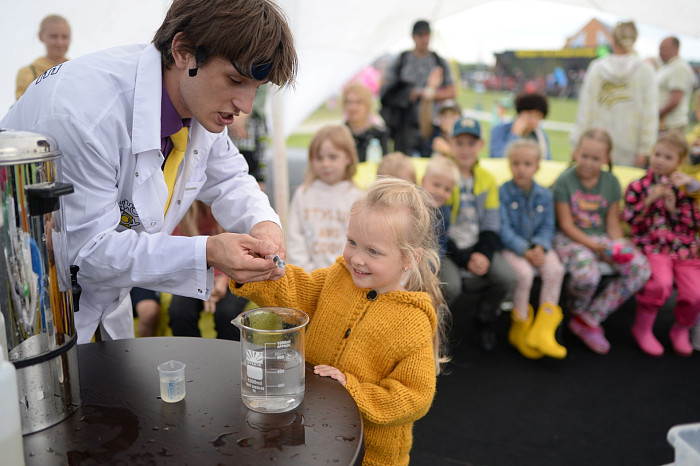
x: 112, y: 114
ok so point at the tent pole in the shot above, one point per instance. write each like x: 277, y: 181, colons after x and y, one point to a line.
x: 280, y: 168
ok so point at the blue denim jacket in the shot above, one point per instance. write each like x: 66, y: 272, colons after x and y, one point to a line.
x: 526, y: 220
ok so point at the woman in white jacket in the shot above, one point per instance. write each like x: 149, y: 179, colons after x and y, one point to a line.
x: 619, y: 94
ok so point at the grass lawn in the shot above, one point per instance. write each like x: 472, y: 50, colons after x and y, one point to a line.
x: 561, y: 110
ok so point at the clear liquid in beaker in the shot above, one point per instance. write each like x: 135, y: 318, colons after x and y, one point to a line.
x: 172, y: 389
x: 273, y: 380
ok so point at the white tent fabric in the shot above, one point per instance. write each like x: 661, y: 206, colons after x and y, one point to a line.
x: 334, y: 38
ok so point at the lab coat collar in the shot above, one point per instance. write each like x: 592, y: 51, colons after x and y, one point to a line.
x: 147, y: 97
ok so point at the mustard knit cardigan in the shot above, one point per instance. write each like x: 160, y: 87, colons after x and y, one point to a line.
x: 383, y: 346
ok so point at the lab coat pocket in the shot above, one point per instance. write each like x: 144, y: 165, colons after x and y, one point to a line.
x: 192, y: 189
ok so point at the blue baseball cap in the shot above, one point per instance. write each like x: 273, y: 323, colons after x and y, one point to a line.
x: 467, y: 125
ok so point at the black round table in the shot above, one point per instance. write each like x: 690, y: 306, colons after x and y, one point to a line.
x: 122, y: 419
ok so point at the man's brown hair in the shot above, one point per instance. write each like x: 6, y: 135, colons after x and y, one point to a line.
x: 248, y: 33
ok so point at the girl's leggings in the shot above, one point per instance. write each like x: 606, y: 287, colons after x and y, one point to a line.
x: 551, y: 273
x: 582, y: 265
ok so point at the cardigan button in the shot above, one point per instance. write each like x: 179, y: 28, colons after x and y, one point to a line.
x: 347, y: 333
x: 372, y: 295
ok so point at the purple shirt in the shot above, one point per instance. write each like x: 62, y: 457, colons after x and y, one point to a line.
x: 170, y: 122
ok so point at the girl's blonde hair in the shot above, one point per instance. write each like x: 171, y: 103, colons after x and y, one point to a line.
x: 677, y: 140
x: 625, y: 35
x: 405, y: 209
x: 341, y: 138
x: 600, y: 135
x: 442, y: 165
x: 362, y: 92
x: 523, y: 144
x: 398, y: 165
x: 51, y: 19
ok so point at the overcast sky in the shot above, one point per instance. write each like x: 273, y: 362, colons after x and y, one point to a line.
x: 474, y: 35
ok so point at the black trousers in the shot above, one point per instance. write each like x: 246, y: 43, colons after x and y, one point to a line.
x: 184, y: 316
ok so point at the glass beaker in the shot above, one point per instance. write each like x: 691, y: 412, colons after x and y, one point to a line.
x: 272, y: 358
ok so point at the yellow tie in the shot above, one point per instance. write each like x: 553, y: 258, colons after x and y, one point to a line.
x: 172, y: 163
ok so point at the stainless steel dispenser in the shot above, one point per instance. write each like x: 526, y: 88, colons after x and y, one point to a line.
x: 36, y: 280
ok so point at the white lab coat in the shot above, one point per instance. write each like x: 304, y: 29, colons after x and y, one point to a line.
x: 104, y: 112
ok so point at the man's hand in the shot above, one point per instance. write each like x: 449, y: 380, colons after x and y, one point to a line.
x: 271, y: 233
x: 242, y: 257
x: 478, y: 264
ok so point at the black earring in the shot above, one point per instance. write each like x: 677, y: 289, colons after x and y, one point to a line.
x: 199, y: 55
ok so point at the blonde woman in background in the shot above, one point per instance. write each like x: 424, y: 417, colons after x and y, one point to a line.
x: 364, y: 126
x: 54, y: 32
x: 619, y: 94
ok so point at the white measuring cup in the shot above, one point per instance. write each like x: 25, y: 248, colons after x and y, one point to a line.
x: 272, y: 358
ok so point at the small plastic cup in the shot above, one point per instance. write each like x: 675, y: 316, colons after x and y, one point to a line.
x: 172, y: 381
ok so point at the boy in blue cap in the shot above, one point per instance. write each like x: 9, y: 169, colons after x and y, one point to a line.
x: 474, y: 264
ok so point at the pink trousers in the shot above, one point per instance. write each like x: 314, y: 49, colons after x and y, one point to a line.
x: 664, y: 271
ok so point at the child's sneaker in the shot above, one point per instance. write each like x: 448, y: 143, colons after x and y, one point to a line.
x: 592, y: 337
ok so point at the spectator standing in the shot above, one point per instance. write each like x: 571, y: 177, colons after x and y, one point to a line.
x: 619, y: 93
x: 437, y: 135
x: 54, y: 32
x: 357, y: 106
x: 406, y: 85
x: 676, y: 80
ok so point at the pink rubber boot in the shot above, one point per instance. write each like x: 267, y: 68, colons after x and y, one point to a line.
x: 680, y: 338
x: 642, y: 331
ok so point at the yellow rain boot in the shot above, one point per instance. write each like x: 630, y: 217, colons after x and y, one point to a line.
x: 518, y: 331
x: 541, y: 335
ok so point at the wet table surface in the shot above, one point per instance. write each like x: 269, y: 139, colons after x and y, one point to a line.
x: 122, y: 419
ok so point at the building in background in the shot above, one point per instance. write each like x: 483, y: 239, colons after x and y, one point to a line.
x: 552, y: 72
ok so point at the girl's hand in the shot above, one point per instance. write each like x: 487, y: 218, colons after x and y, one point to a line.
x: 602, y: 250
x: 656, y: 192
x: 329, y: 371
x: 670, y: 200
x: 680, y: 179
x: 535, y: 256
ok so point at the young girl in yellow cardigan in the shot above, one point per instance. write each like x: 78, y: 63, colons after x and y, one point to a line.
x: 374, y: 326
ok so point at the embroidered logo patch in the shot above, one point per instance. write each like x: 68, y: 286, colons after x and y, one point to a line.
x: 129, y: 217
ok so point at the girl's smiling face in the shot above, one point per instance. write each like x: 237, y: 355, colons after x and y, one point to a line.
x: 371, y: 253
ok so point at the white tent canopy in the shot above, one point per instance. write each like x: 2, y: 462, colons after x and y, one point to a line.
x: 334, y: 38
